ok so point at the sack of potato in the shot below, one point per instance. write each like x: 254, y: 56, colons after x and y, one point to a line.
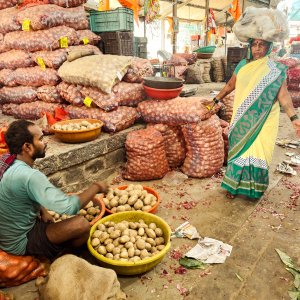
x: 134, y: 197
x: 146, y: 155
x: 128, y: 241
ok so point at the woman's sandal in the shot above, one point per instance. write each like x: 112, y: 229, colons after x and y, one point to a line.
x: 230, y: 196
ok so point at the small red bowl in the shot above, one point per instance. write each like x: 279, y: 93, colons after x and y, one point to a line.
x: 152, y: 210
x: 162, y: 94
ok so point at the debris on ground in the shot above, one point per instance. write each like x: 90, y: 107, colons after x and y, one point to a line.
x: 294, y: 293
x: 210, y: 251
x: 174, y: 178
x: 191, y: 263
x: 285, y: 168
x: 182, y: 290
x: 239, y: 277
x: 186, y: 230
x: 287, y: 143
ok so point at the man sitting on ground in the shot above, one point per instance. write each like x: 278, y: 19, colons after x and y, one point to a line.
x: 26, y: 227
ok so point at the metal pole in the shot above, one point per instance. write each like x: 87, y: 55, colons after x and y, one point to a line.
x: 226, y: 33
x: 206, y: 21
x: 174, y: 32
x: 145, y: 32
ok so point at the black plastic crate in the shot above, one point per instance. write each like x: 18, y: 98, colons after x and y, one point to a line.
x: 140, y: 47
x: 117, y: 43
x: 236, y: 54
x: 230, y: 69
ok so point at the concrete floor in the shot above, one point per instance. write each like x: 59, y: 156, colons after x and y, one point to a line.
x: 253, y: 228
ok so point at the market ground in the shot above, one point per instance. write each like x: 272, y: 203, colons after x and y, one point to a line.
x: 253, y: 228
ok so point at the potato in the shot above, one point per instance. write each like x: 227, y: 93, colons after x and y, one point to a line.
x: 104, y: 236
x: 113, y: 210
x: 150, y: 233
x: 64, y: 217
x: 89, y: 217
x: 128, y: 245
x: 114, y: 202
x: 146, y: 208
x: 106, y: 202
x: 116, y: 250
x: 123, y: 259
x: 109, y: 255
x: 102, y: 250
x: 52, y: 213
x: 147, y: 246
x: 121, y: 226
x: 101, y: 227
x: 139, y: 187
x: 56, y: 216
x: 144, y: 254
x: 127, y: 207
x: 132, y: 200
x: 109, y: 247
x: 153, y: 203
x: 130, y: 187
x: 132, y: 239
x: 90, y: 204
x: 160, y: 247
x: 132, y: 225
x: 131, y: 252
x: 124, y: 239
x: 117, y: 257
x: 152, y: 226
x: 124, y: 254
x: 110, y: 230
x: 158, y: 232
x: 125, y: 232
x: 123, y: 199
x: 108, y: 241
x: 132, y: 233
x: 116, y: 242
x: 140, y: 244
x: 138, y: 204
x: 82, y: 212
x: 141, y: 231
x: 150, y: 241
x: 97, y: 234
x: 123, y: 193
x: 147, y: 199
x: 159, y: 241
x: 120, y: 208
x: 115, y: 234
x: 95, y: 242
x: 110, y: 195
x: 91, y: 211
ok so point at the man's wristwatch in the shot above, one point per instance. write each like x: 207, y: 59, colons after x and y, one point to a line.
x: 294, y: 117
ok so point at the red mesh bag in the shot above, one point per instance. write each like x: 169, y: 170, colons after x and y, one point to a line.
x: 205, y: 148
x: 226, y: 112
x: 16, y: 270
x: 68, y: 3
x: 49, y: 94
x: 40, y: 40
x: 291, y: 62
x: 47, y: 16
x: 138, y: 69
x: 146, y: 155
x: 116, y: 120
x: 31, y: 111
x: 71, y: 93
x: 3, y: 47
x: 8, y: 20
x: 294, y: 75
x: 15, y: 59
x: 174, y: 143
x: 189, y: 58
x: 295, y: 95
x: 91, y: 37
x: 7, y: 3
x: 52, y: 59
x: 225, y: 131
x: 129, y: 94
x: 34, y: 76
x: 178, y: 111
x: 18, y: 94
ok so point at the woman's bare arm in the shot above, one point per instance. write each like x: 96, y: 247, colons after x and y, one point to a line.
x: 228, y: 88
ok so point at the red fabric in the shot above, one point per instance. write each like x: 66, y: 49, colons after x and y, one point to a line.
x: 6, y: 160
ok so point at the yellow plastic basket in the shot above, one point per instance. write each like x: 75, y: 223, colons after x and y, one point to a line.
x: 132, y: 268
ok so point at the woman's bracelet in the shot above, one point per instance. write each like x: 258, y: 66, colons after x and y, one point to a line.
x: 294, y: 117
x: 216, y: 101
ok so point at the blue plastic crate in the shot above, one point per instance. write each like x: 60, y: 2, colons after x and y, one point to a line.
x: 120, y: 19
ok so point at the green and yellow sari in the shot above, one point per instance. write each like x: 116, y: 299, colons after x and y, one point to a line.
x: 253, y: 127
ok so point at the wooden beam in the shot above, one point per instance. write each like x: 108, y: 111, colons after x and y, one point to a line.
x: 192, y: 5
x: 169, y: 10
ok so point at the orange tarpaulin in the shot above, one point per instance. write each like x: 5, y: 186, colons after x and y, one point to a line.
x: 235, y: 9
x: 132, y: 4
x: 103, y: 5
x: 171, y: 23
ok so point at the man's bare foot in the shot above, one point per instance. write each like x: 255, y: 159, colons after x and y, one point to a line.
x: 230, y: 196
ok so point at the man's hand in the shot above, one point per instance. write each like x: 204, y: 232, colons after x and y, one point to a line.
x: 296, y: 124
x: 45, y: 216
x: 103, y: 186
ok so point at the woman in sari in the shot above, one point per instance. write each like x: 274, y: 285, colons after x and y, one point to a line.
x: 260, y: 87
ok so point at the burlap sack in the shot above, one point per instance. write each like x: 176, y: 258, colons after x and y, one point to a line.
x: 100, y: 71
x: 79, y: 279
x: 217, y: 70
x: 138, y: 69
x: 194, y: 73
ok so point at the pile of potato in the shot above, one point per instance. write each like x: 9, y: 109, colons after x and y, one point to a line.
x: 128, y: 241
x: 83, y: 125
x: 90, y: 212
x: 134, y: 197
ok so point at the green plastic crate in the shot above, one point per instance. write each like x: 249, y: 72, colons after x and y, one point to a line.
x: 120, y: 19
x: 140, y: 47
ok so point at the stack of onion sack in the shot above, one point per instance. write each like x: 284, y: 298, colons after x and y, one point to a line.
x: 218, y: 73
x: 225, y: 113
x: 34, y: 42
x: 174, y: 143
x: 293, y: 78
x: 16, y: 270
x: 146, y: 155
x: 205, y: 148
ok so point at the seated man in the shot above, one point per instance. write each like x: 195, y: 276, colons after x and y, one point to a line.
x: 26, y: 192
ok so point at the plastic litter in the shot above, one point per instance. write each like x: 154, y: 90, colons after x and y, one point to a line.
x: 174, y: 178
